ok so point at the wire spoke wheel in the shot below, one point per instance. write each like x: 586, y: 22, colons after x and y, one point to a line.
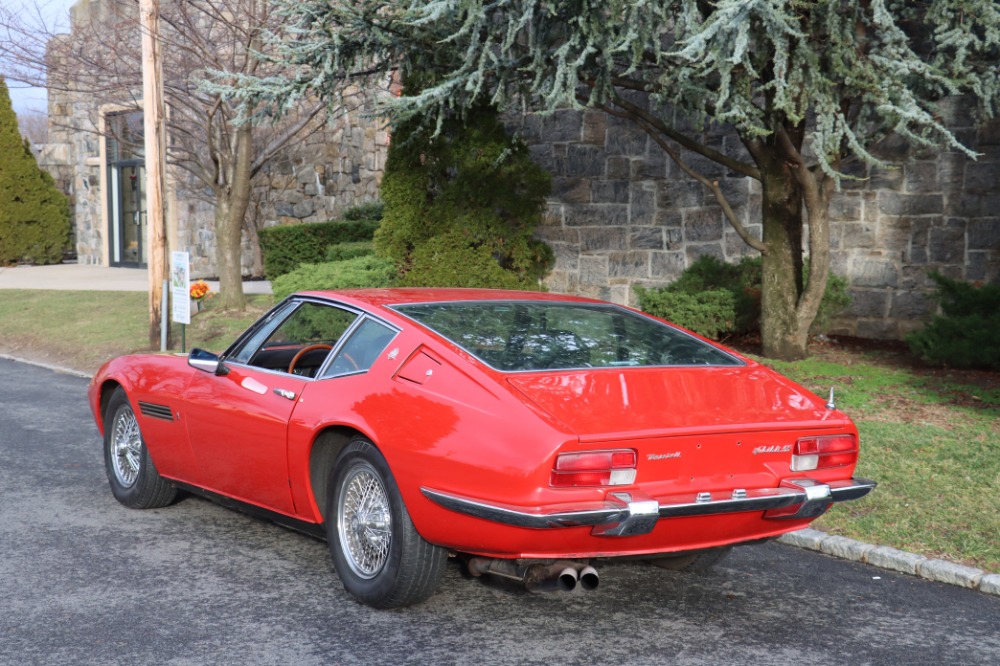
x: 126, y: 443
x: 365, y: 521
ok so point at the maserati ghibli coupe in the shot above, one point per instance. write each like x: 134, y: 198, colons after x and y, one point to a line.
x: 530, y: 435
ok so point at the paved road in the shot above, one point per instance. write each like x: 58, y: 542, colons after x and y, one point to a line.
x: 85, y: 581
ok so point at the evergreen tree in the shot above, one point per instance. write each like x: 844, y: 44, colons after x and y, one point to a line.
x: 34, y: 214
x: 806, y: 86
x: 461, y: 206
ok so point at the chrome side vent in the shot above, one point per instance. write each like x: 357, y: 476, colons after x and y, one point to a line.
x: 156, y: 411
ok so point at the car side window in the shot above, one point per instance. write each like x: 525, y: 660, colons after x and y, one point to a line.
x: 358, y: 354
x: 302, y: 341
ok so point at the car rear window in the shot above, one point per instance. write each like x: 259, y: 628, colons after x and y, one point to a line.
x: 542, y: 335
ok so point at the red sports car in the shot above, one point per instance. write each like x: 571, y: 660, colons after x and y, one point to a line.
x: 527, y: 433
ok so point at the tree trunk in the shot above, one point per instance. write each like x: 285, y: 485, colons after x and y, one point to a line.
x: 784, y: 332
x: 231, y: 204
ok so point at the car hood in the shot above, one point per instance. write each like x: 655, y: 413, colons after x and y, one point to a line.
x: 640, y: 402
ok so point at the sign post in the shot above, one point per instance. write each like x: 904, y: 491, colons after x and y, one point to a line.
x: 180, y: 292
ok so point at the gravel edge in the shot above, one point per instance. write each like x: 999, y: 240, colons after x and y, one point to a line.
x: 893, y: 559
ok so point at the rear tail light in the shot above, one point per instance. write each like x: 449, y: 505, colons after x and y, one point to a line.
x: 594, y: 468
x: 822, y: 452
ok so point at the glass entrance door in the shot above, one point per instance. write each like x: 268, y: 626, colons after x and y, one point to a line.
x: 126, y: 176
x: 129, y: 214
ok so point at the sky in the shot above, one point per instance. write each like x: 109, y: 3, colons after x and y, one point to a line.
x: 56, y: 13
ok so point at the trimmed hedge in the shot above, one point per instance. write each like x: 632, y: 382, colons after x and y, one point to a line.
x: 343, y: 251
x: 285, y: 248
x: 357, y: 273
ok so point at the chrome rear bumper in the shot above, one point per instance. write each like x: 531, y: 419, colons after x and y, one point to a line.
x: 630, y: 513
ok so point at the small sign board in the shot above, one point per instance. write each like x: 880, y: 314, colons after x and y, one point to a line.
x: 180, y: 287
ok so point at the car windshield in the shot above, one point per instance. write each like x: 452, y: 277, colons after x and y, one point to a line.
x: 542, y: 335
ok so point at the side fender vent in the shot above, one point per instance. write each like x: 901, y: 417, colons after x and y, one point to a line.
x: 156, y: 411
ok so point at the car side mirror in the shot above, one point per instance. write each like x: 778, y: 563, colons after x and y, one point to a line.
x: 206, y: 361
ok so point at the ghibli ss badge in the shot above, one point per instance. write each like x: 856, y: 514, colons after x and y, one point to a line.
x: 777, y: 448
x: 663, y: 456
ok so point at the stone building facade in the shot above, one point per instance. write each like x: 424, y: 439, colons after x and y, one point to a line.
x: 621, y: 213
x: 313, y: 180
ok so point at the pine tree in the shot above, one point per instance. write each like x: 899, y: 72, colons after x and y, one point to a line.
x: 34, y: 214
x: 805, y: 86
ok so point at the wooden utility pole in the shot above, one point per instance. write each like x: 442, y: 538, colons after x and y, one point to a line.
x: 152, y: 94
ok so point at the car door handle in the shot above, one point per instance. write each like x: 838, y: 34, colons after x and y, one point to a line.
x: 285, y: 393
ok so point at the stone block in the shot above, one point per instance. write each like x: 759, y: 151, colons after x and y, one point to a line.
x: 562, y: 125
x: 597, y: 239
x: 679, y: 194
x: 982, y: 177
x: 596, y: 214
x: 985, y: 204
x: 626, y: 139
x: 868, y: 303
x: 595, y: 127
x: 990, y: 584
x: 984, y: 234
x: 807, y: 538
x: 643, y: 204
x: 646, y: 238
x: 858, y: 235
x: 885, y: 179
x: 845, y: 548
x: 845, y: 207
x: 631, y: 264
x: 667, y: 266
x: 946, y: 244
x: 652, y: 167
x: 873, y: 272
x: 894, y: 560
x: 695, y: 250
x: 911, y: 305
x: 593, y: 270
x: 920, y: 177
x: 893, y: 235
x: 303, y: 209
x: 949, y: 572
x: 584, y: 161
x: 572, y: 190
x: 618, y: 168
x: 609, y: 191
x: 893, y: 203
x: 703, y: 224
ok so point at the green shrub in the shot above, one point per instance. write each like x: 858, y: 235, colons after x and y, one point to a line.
x: 705, y: 312
x: 964, y: 334
x: 286, y: 247
x: 343, y: 251
x: 366, y: 211
x: 357, y: 273
x: 34, y: 214
x: 461, y: 206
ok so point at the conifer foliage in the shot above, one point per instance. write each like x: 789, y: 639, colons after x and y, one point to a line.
x: 34, y: 214
x: 804, y: 86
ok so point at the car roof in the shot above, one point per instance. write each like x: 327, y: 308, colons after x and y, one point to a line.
x: 400, y: 296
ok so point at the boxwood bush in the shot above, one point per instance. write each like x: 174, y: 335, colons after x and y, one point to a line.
x: 357, y: 273
x: 717, y: 299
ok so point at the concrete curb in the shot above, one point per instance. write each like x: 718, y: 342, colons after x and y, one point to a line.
x: 54, y: 368
x: 894, y: 560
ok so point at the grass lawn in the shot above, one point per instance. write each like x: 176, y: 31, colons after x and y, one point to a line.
x: 931, y: 438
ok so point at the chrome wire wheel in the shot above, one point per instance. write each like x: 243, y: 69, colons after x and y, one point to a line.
x: 126, y: 447
x: 364, y: 521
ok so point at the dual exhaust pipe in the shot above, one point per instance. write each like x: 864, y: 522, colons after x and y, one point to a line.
x: 558, y: 576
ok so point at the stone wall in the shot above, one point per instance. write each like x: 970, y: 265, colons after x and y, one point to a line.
x: 623, y: 214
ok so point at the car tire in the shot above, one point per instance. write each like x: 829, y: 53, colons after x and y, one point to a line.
x: 133, y: 477
x: 699, y: 562
x: 377, y: 553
